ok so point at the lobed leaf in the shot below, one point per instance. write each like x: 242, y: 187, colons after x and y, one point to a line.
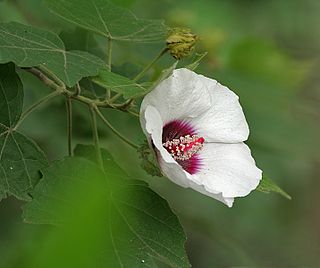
x: 106, y: 19
x: 28, y: 46
x: 135, y: 224
x: 112, y: 168
x: 20, y: 158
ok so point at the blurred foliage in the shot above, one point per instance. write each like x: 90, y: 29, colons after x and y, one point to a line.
x: 267, y: 52
x: 107, y: 221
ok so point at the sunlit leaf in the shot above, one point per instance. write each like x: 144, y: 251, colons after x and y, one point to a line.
x: 28, y: 46
x: 120, y: 84
x: 134, y: 225
x: 104, y: 18
x: 268, y: 186
x: 20, y: 157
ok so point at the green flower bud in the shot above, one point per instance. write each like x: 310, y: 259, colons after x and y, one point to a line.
x: 148, y: 161
x: 180, y: 42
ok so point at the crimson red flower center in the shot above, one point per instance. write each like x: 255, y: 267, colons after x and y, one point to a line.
x: 184, y: 147
x: 185, y: 144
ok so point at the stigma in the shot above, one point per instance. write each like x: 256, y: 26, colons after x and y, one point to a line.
x: 184, y: 147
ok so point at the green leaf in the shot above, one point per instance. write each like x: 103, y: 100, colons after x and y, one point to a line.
x: 267, y: 186
x: 164, y: 75
x: 102, y: 17
x: 11, y: 95
x: 145, y: 219
x: 60, y: 182
x: 196, y: 61
x: 111, y: 168
x: 117, y: 83
x: 20, y: 157
x: 127, y: 224
x: 28, y: 46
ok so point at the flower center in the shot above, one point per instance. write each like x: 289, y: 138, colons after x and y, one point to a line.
x: 184, y: 147
x: 185, y: 144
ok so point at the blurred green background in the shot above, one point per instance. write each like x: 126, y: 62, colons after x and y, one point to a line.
x: 267, y: 52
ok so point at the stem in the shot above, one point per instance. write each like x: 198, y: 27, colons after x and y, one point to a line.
x: 115, y: 97
x: 69, y: 124
x: 142, y: 73
x: 52, y: 75
x: 109, y: 61
x: 109, y: 54
x: 36, y: 105
x: 96, y: 136
x: 133, y: 113
x: 116, y: 132
x: 78, y: 89
x: 41, y: 76
x: 47, y: 81
x: 126, y: 105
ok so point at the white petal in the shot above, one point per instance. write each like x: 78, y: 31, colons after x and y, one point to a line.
x: 152, y: 125
x: 225, y: 120
x: 212, y: 109
x: 184, y: 95
x: 228, y: 169
x: 177, y: 175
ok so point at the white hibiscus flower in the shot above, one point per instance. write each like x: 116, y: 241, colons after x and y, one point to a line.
x: 197, y: 128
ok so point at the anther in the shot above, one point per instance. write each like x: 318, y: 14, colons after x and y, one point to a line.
x: 184, y: 147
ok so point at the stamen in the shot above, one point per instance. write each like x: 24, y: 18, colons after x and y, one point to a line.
x: 184, y: 147
x: 179, y: 130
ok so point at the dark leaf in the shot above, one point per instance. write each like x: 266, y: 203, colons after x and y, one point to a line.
x: 20, y: 157
x: 127, y: 224
x: 102, y: 17
x: 28, y: 46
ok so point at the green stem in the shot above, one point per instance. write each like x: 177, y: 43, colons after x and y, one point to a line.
x: 116, y: 132
x: 50, y: 83
x: 52, y: 75
x: 109, y: 61
x: 133, y: 113
x: 69, y: 124
x: 78, y: 90
x: 115, y: 97
x: 42, y: 77
x: 96, y: 136
x: 109, y: 54
x: 36, y: 105
x: 142, y: 73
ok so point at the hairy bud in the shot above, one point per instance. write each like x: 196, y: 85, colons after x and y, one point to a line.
x: 180, y: 42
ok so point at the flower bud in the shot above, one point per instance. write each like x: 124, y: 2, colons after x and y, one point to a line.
x: 180, y: 42
x: 148, y: 162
